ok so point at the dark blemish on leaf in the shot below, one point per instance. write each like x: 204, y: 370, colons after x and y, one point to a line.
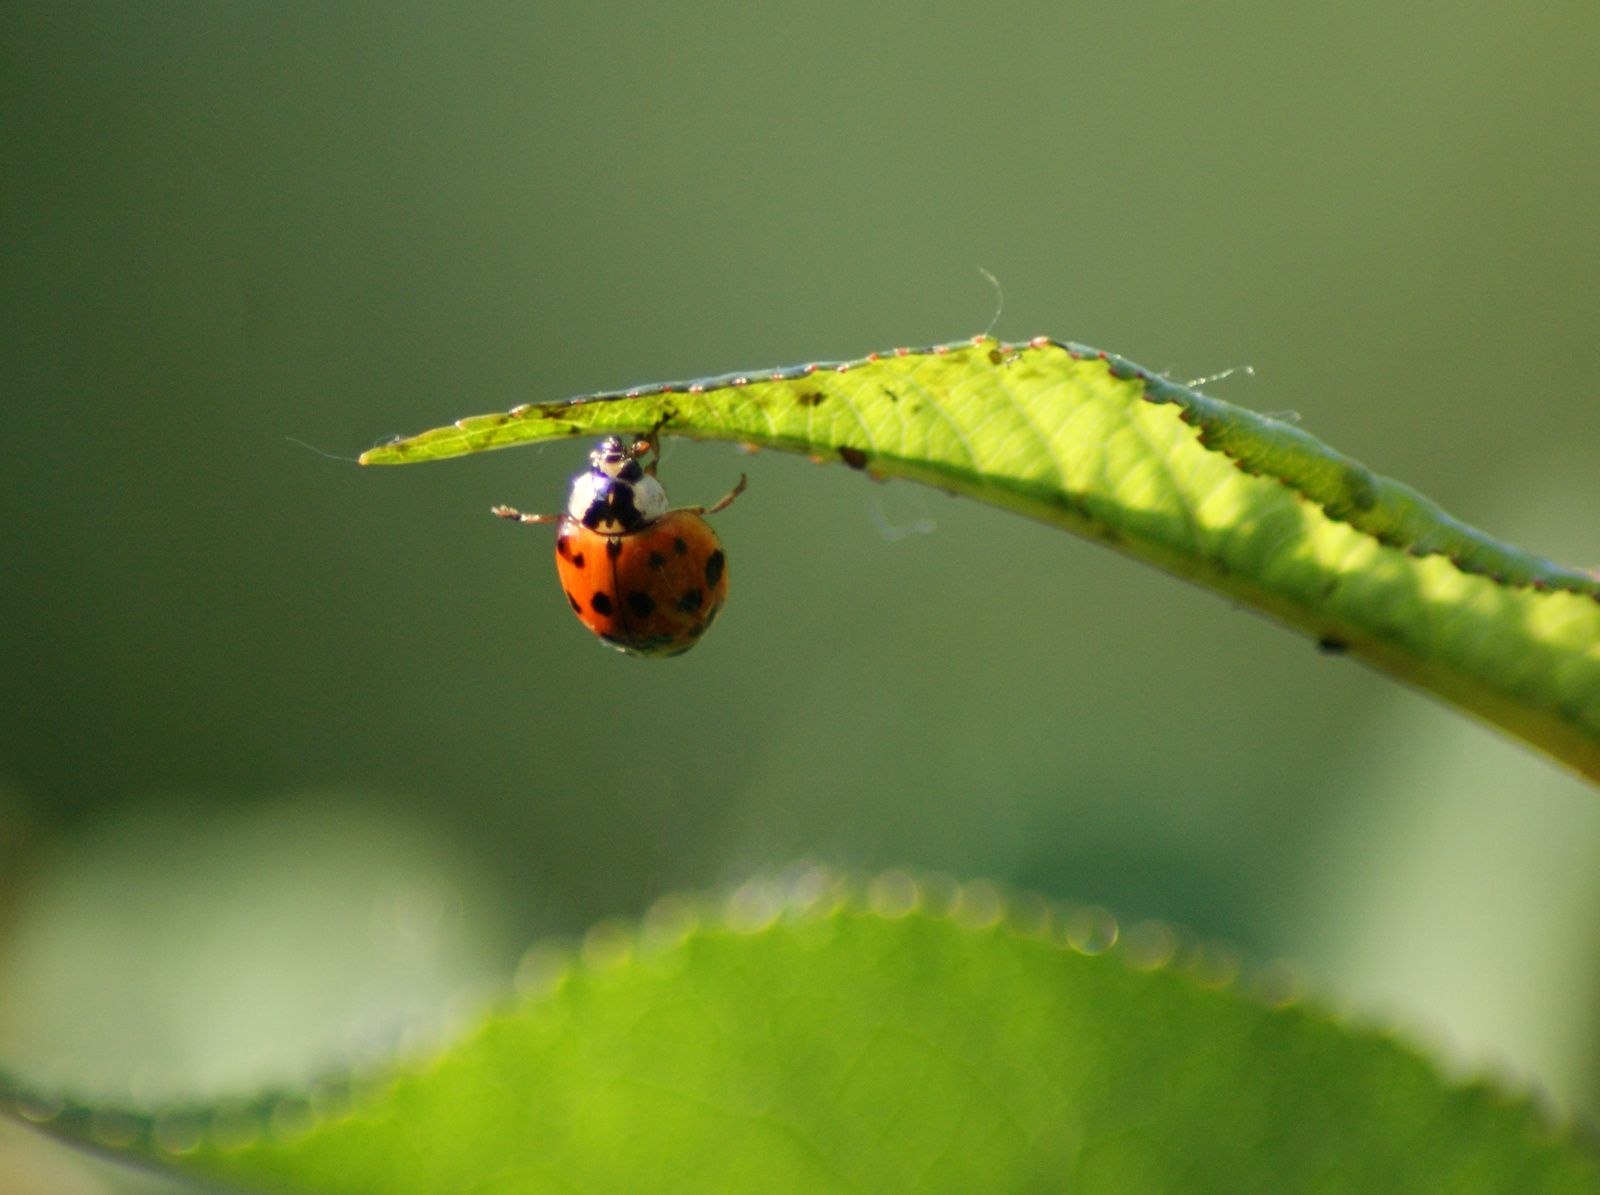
x: 601, y: 603
x: 576, y: 608
x: 1363, y: 493
x: 690, y: 602
x: 893, y: 397
x: 642, y: 604
x: 714, y: 566
x: 679, y: 546
x: 814, y: 399
x: 613, y: 547
x: 853, y: 457
x: 996, y: 356
x: 1073, y: 504
x: 656, y: 561
x: 1332, y: 645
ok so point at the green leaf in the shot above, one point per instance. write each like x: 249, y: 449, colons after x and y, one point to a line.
x: 820, y: 1048
x: 1251, y: 507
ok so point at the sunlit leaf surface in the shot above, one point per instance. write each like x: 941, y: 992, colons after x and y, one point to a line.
x: 1244, y: 504
x: 834, y: 1049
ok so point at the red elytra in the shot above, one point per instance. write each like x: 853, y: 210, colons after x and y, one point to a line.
x: 652, y: 592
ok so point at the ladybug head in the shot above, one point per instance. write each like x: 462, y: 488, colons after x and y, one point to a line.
x: 614, y: 460
x: 615, y: 495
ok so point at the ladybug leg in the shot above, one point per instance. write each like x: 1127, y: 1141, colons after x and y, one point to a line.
x: 727, y: 499
x: 511, y: 512
x: 644, y: 446
x: 651, y: 442
x: 726, y: 502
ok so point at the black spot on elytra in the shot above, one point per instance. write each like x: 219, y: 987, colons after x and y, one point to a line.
x: 576, y: 608
x: 690, y: 602
x: 577, y: 560
x: 853, y: 457
x: 815, y: 399
x: 601, y: 603
x: 1332, y: 645
x: 715, y: 563
x: 679, y: 546
x: 631, y: 471
x: 613, y: 548
x: 656, y: 561
x: 641, y: 603
x: 697, y: 630
x: 564, y: 547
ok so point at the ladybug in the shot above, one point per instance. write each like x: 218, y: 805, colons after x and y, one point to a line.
x: 649, y: 581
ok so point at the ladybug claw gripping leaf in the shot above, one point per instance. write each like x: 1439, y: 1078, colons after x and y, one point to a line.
x: 649, y: 581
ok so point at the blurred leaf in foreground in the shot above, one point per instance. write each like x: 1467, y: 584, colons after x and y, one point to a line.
x: 827, y: 1048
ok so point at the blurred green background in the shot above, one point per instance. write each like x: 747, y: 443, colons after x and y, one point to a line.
x: 297, y: 758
